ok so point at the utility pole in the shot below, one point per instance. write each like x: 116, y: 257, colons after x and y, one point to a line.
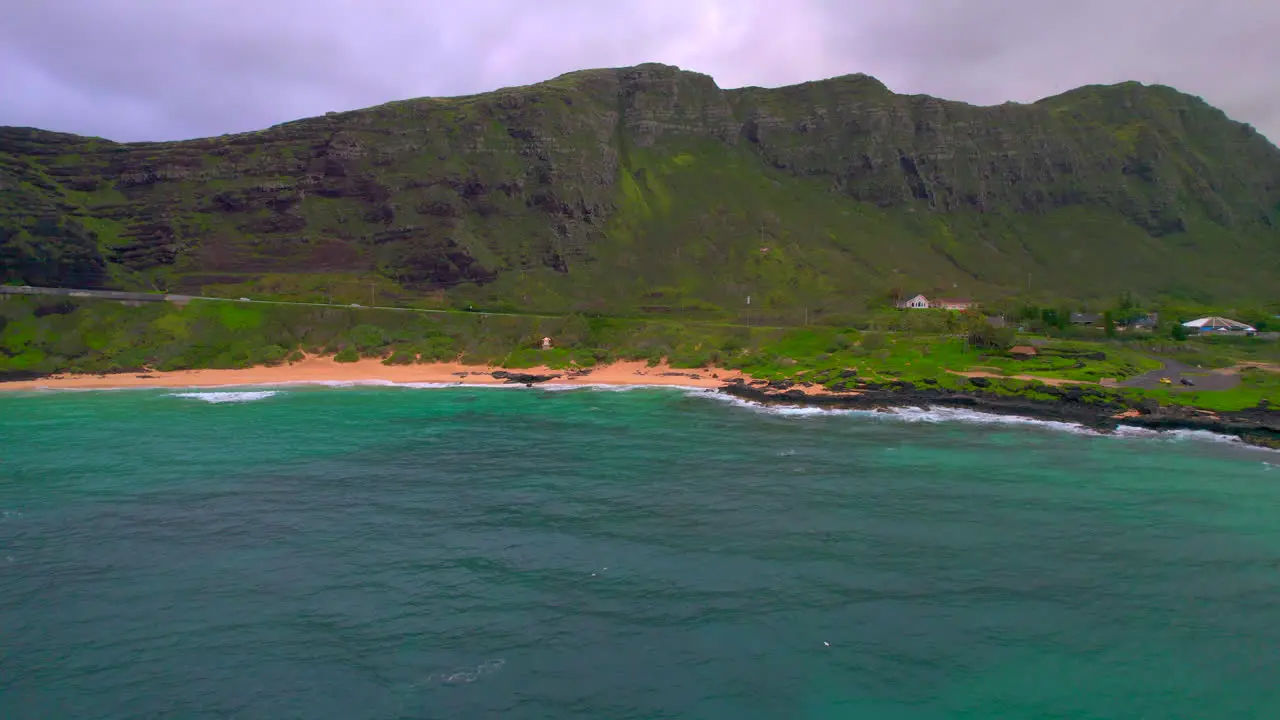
x: 372, y: 294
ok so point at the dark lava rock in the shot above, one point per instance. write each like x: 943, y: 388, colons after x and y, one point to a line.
x: 980, y: 382
x: 522, y: 378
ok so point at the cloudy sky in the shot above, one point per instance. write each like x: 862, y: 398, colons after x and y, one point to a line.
x: 168, y: 69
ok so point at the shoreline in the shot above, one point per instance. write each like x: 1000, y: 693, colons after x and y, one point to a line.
x: 324, y: 370
x: 1255, y: 427
x: 1074, y: 406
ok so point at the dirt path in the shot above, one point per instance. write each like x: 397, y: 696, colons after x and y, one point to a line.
x: 1177, y: 371
x: 1045, y: 380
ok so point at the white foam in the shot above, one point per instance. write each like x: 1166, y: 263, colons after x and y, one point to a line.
x: 228, y: 397
x: 771, y: 409
x: 962, y: 415
x: 606, y: 387
x: 935, y: 415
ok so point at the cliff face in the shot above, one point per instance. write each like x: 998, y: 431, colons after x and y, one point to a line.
x: 613, y: 189
x: 1151, y: 153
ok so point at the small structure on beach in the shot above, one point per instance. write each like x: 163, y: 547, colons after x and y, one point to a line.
x: 546, y: 343
x: 1023, y: 352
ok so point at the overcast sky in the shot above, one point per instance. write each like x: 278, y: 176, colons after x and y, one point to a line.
x: 168, y: 69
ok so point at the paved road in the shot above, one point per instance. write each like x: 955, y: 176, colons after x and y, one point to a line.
x: 122, y: 296
x: 163, y: 297
x: 1176, y: 371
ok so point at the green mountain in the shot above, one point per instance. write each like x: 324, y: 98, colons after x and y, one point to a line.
x: 650, y: 189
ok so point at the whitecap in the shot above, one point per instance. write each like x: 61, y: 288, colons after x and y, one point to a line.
x: 463, y: 676
x: 962, y: 415
x: 228, y: 397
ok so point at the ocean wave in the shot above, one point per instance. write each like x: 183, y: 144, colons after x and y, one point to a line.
x: 1202, y: 435
x: 961, y: 415
x: 770, y: 409
x: 463, y: 676
x: 938, y: 415
x: 228, y: 397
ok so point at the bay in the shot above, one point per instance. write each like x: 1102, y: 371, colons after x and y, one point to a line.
x: 529, y: 553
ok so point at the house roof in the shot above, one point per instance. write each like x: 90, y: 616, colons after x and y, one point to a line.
x: 954, y: 300
x: 1214, y: 321
x: 1022, y: 350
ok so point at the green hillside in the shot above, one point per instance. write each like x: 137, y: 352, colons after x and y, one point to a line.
x: 650, y: 190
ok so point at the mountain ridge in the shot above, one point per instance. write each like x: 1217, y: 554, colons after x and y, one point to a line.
x: 650, y: 186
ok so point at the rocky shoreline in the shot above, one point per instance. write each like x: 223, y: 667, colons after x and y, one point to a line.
x: 1085, y: 406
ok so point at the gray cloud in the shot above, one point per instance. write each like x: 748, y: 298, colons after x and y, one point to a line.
x: 159, y: 69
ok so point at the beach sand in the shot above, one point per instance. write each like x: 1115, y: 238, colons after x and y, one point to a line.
x: 325, y: 370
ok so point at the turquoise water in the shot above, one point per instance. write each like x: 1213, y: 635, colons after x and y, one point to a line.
x: 456, y: 553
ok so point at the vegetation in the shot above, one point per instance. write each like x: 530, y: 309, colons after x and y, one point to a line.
x: 46, y: 335
x: 649, y: 192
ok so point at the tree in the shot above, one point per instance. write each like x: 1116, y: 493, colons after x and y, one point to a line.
x: 983, y: 334
x: 1179, y: 332
x: 1109, y: 324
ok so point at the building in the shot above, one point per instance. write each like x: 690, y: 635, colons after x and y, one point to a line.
x: 1150, y: 321
x: 1085, y: 318
x: 1023, y: 352
x: 920, y: 302
x: 1216, y: 324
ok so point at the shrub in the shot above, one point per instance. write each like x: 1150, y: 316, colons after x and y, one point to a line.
x: 272, y: 355
x: 400, y: 357
x: 872, y: 341
x: 368, y: 337
x: 347, y: 355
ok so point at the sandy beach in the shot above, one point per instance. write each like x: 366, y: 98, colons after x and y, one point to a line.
x: 325, y: 370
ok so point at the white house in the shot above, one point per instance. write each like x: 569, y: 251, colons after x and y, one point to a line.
x: 920, y: 302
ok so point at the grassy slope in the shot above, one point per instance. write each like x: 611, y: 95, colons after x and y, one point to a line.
x: 95, y: 336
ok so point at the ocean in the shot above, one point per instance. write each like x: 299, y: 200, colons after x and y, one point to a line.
x: 420, y: 552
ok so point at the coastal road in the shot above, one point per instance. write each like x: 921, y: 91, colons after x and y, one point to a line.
x: 124, y: 296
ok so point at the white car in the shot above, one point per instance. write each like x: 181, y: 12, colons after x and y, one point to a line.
x: 355, y: 305
x: 245, y: 300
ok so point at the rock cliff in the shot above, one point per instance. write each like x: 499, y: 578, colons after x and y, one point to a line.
x: 652, y: 188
